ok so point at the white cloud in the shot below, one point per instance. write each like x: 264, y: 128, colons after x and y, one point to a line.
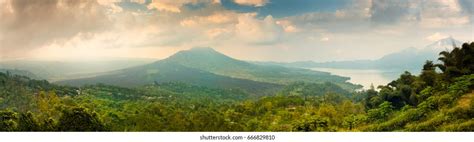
x: 28, y: 25
x: 443, y: 22
x: 111, y: 5
x: 290, y: 29
x: 255, y: 3
x: 325, y: 39
x: 253, y: 30
x: 287, y: 26
x: 436, y: 36
x: 213, y: 19
x: 188, y: 23
x: 168, y: 5
x: 220, y: 17
x: 217, y: 32
x: 216, y: 1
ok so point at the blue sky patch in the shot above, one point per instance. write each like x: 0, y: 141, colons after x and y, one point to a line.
x: 284, y: 8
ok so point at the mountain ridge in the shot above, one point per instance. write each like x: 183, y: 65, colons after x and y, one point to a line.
x: 207, y: 67
x: 406, y: 59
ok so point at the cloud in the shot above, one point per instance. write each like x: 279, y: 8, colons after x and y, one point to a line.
x: 138, y: 1
x: 111, y: 5
x: 256, y: 31
x: 287, y: 26
x: 167, y: 5
x: 30, y: 24
x: 306, y: 29
x: 188, y: 23
x: 176, y: 6
x: 467, y: 6
x: 354, y: 18
x: 442, y: 13
x: 256, y: 3
x: 220, y: 18
x: 389, y: 11
x: 427, y: 14
x: 216, y: 1
x: 325, y: 39
x: 218, y: 32
x: 285, y: 8
x: 436, y: 36
x: 217, y: 18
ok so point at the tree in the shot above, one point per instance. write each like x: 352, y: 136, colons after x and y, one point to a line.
x: 428, y: 74
x: 312, y: 124
x: 8, y: 120
x: 372, y: 98
x: 352, y: 121
x: 79, y: 119
x: 458, y: 62
x: 429, y: 65
x: 27, y: 122
x: 380, y: 113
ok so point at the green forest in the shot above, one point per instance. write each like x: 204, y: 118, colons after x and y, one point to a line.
x: 440, y: 98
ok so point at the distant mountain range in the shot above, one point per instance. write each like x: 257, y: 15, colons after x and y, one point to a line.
x: 20, y: 73
x: 209, y: 68
x: 63, y: 70
x: 407, y: 59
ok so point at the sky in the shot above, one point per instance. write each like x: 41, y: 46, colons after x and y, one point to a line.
x: 257, y: 30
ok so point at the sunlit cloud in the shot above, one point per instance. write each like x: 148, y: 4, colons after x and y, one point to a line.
x: 305, y: 30
x: 325, y: 39
x: 251, y: 2
x: 436, y: 36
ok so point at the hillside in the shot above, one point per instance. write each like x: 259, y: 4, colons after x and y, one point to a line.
x: 163, y: 72
x: 63, y: 70
x: 207, y: 67
x: 20, y: 73
x: 208, y: 59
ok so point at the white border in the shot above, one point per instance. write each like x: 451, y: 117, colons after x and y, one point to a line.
x: 195, y: 136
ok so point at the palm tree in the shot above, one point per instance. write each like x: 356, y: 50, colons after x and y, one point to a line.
x: 445, y: 58
x: 458, y: 62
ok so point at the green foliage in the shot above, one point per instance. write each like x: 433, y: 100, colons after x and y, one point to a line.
x: 462, y: 84
x: 28, y: 122
x: 312, y: 124
x: 428, y: 74
x: 458, y: 62
x: 352, y: 121
x: 79, y: 119
x: 382, y: 112
x: 467, y: 126
x: 312, y: 89
x: 8, y: 120
x: 398, y: 122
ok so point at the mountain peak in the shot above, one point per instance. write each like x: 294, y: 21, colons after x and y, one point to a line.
x: 445, y: 42
x: 199, y: 55
x: 202, y: 49
x: 198, y: 51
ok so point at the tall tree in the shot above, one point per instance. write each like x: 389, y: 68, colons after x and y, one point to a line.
x: 79, y: 119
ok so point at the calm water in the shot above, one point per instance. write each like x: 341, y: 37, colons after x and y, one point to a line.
x: 364, y: 77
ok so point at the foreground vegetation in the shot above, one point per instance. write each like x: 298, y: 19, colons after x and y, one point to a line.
x: 432, y: 101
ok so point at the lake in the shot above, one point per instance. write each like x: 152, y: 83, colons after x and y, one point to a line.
x: 365, y: 77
